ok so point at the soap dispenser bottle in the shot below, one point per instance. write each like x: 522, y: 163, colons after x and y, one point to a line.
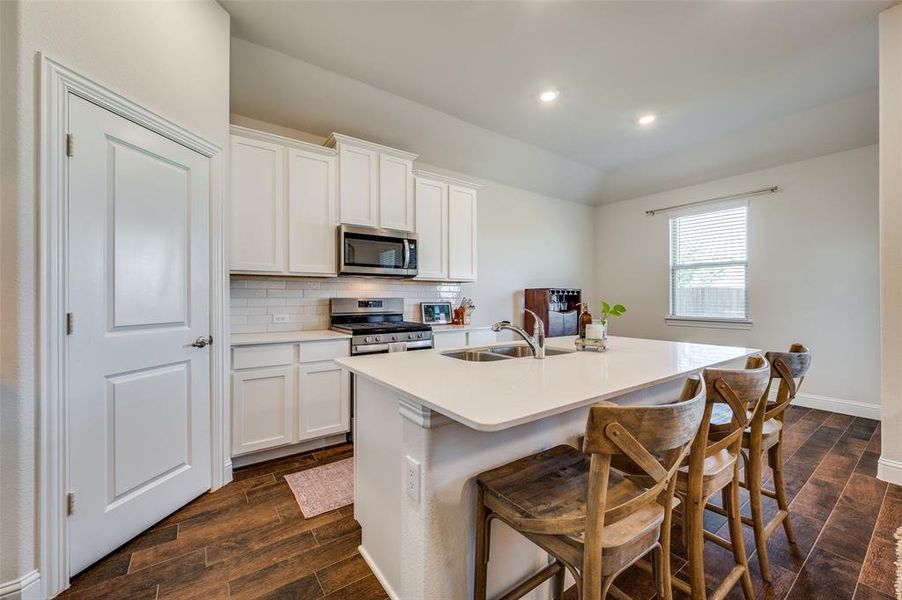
x: 584, y: 319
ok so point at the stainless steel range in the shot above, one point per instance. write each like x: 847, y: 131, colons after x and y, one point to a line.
x: 377, y: 325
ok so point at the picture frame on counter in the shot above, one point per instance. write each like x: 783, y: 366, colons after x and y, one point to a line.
x: 436, y: 313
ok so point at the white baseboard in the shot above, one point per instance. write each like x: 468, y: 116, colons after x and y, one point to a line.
x: 242, y: 460
x: 382, y: 580
x: 27, y: 587
x: 838, y: 405
x: 227, y: 474
x: 889, y: 470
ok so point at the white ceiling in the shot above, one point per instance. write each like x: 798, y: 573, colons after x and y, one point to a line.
x: 718, y: 73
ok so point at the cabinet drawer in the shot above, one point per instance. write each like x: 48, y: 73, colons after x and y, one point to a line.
x: 325, y: 350
x: 267, y: 355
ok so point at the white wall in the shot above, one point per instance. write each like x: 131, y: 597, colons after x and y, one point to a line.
x: 525, y: 240
x: 890, y: 466
x: 813, y: 270
x: 170, y: 57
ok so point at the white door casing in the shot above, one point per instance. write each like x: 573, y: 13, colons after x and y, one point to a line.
x: 139, y: 421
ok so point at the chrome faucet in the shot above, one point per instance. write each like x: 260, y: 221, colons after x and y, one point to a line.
x: 536, y: 342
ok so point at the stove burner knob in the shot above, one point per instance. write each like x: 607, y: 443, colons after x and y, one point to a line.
x: 394, y: 338
x: 369, y: 339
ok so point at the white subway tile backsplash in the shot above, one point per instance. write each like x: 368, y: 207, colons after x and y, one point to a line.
x: 271, y: 284
x: 306, y: 301
x: 246, y: 293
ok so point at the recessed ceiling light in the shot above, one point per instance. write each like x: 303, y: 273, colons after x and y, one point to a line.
x: 549, y: 95
x: 647, y: 119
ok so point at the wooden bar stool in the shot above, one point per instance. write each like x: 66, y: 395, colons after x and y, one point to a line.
x: 593, y: 521
x: 766, y: 435
x: 713, y: 466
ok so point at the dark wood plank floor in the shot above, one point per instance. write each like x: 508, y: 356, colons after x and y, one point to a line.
x: 249, y: 539
x: 246, y: 540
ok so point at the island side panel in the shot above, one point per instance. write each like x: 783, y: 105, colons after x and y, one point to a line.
x: 378, y: 480
x: 438, y: 541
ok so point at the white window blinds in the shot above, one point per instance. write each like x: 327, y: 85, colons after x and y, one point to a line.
x: 709, y: 265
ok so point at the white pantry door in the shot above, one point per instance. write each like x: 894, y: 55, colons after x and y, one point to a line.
x: 138, y: 282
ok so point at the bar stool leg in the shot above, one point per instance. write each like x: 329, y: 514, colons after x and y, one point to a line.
x: 775, y: 457
x: 753, y: 478
x: 559, y: 584
x: 693, y: 521
x: 665, y: 590
x: 730, y: 496
x: 482, y: 547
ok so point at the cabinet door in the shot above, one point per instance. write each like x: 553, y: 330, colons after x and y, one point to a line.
x: 357, y: 185
x: 481, y: 337
x: 262, y: 408
x: 461, y: 233
x: 449, y: 339
x: 312, y: 213
x: 257, y: 206
x: 432, y: 229
x: 324, y: 400
x: 396, y: 206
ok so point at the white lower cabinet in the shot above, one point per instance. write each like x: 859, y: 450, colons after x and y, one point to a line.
x: 450, y: 339
x: 458, y: 339
x: 324, y: 400
x: 263, y: 408
x: 283, y: 394
x: 481, y: 337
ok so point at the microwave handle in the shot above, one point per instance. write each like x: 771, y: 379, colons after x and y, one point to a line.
x: 406, y: 254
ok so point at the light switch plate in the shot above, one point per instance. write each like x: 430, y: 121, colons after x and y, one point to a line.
x: 280, y: 318
x: 412, y: 479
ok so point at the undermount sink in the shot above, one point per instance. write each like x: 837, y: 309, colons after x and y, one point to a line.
x: 500, y: 353
x: 474, y: 355
x: 522, y: 351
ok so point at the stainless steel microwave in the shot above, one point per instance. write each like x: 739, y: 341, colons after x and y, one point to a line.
x: 375, y: 251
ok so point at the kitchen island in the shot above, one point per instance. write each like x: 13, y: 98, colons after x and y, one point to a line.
x: 427, y: 423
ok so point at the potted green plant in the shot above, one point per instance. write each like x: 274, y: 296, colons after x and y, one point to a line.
x: 608, y: 311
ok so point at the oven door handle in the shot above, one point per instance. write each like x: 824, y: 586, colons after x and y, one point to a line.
x: 406, y: 254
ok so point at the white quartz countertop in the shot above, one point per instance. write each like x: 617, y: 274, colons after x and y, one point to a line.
x: 496, y: 395
x: 286, y: 337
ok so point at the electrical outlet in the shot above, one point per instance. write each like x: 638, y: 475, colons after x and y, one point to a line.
x: 413, y: 479
x: 280, y: 318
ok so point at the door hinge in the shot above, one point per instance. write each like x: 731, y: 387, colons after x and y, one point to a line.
x: 70, y: 323
x: 70, y: 144
x: 70, y: 503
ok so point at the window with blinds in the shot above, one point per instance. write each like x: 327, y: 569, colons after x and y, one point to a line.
x: 709, y: 268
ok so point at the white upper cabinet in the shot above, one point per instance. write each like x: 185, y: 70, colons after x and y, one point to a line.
x: 461, y: 233
x: 446, y: 227
x: 257, y: 205
x: 284, y: 209
x: 357, y: 185
x: 288, y: 198
x: 312, y: 213
x: 375, y: 184
x: 396, y: 208
x: 432, y: 228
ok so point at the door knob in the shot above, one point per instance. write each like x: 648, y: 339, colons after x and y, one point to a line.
x: 202, y: 341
